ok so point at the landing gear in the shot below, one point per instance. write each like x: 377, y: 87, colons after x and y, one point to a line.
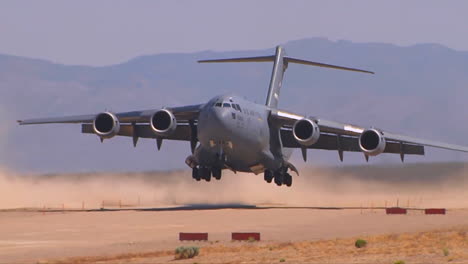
x: 216, y: 172
x: 204, y: 173
x: 206, y: 165
x: 195, y: 174
x: 268, y: 176
x: 287, y: 179
x: 280, y: 177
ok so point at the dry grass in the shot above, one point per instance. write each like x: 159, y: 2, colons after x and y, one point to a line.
x: 128, y: 257
x: 421, y: 247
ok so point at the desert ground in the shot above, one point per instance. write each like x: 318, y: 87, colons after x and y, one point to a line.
x: 136, y: 217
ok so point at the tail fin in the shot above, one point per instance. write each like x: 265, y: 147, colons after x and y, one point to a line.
x: 280, y: 64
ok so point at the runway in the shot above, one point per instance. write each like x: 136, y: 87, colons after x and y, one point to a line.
x: 28, y: 237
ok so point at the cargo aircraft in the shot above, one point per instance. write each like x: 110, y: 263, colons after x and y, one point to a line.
x: 229, y: 132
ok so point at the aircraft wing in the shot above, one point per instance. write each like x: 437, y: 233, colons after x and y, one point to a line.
x: 135, y: 124
x: 182, y: 113
x: 347, y: 143
x: 345, y: 137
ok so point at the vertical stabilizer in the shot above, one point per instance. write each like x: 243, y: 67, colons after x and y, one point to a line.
x: 279, y: 67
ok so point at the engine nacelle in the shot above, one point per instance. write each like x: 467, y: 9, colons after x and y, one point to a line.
x: 106, y: 125
x: 372, y: 142
x: 306, y: 132
x: 163, y: 122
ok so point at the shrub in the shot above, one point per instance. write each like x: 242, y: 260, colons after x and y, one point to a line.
x: 251, y: 239
x: 186, y: 252
x: 445, y: 251
x: 282, y: 260
x: 360, y: 243
x: 399, y: 262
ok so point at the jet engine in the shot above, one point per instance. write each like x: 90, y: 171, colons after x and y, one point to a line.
x: 372, y: 142
x: 306, y: 132
x: 106, y: 125
x: 163, y: 122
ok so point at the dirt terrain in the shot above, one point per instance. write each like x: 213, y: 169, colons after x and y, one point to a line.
x: 422, y: 247
x: 57, y: 218
x: 32, y: 236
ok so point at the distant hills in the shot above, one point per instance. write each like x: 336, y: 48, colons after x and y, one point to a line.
x: 419, y: 90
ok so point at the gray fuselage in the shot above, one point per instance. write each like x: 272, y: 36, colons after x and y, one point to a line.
x: 237, y: 132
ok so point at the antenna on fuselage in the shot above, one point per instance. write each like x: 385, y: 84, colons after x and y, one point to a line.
x: 279, y: 67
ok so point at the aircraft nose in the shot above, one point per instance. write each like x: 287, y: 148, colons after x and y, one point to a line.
x: 221, y: 117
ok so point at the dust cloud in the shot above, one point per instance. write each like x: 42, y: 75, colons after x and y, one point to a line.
x: 5, y: 128
x: 420, y: 185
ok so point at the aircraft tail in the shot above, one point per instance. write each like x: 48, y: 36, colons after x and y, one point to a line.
x: 280, y: 64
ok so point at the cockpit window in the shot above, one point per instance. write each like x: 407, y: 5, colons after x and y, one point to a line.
x: 226, y: 105
x: 218, y: 104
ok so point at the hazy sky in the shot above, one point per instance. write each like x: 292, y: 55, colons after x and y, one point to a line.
x: 107, y: 32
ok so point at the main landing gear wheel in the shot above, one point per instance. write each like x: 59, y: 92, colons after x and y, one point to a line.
x: 287, y: 179
x: 279, y: 178
x: 268, y: 176
x: 216, y: 172
x: 195, y: 174
x: 204, y: 173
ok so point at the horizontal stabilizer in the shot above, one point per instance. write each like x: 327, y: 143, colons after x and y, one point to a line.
x: 285, y: 60
x: 247, y: 59
x: 318, y: 64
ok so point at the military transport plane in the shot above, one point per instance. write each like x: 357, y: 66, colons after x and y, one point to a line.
x: 240, y: 135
